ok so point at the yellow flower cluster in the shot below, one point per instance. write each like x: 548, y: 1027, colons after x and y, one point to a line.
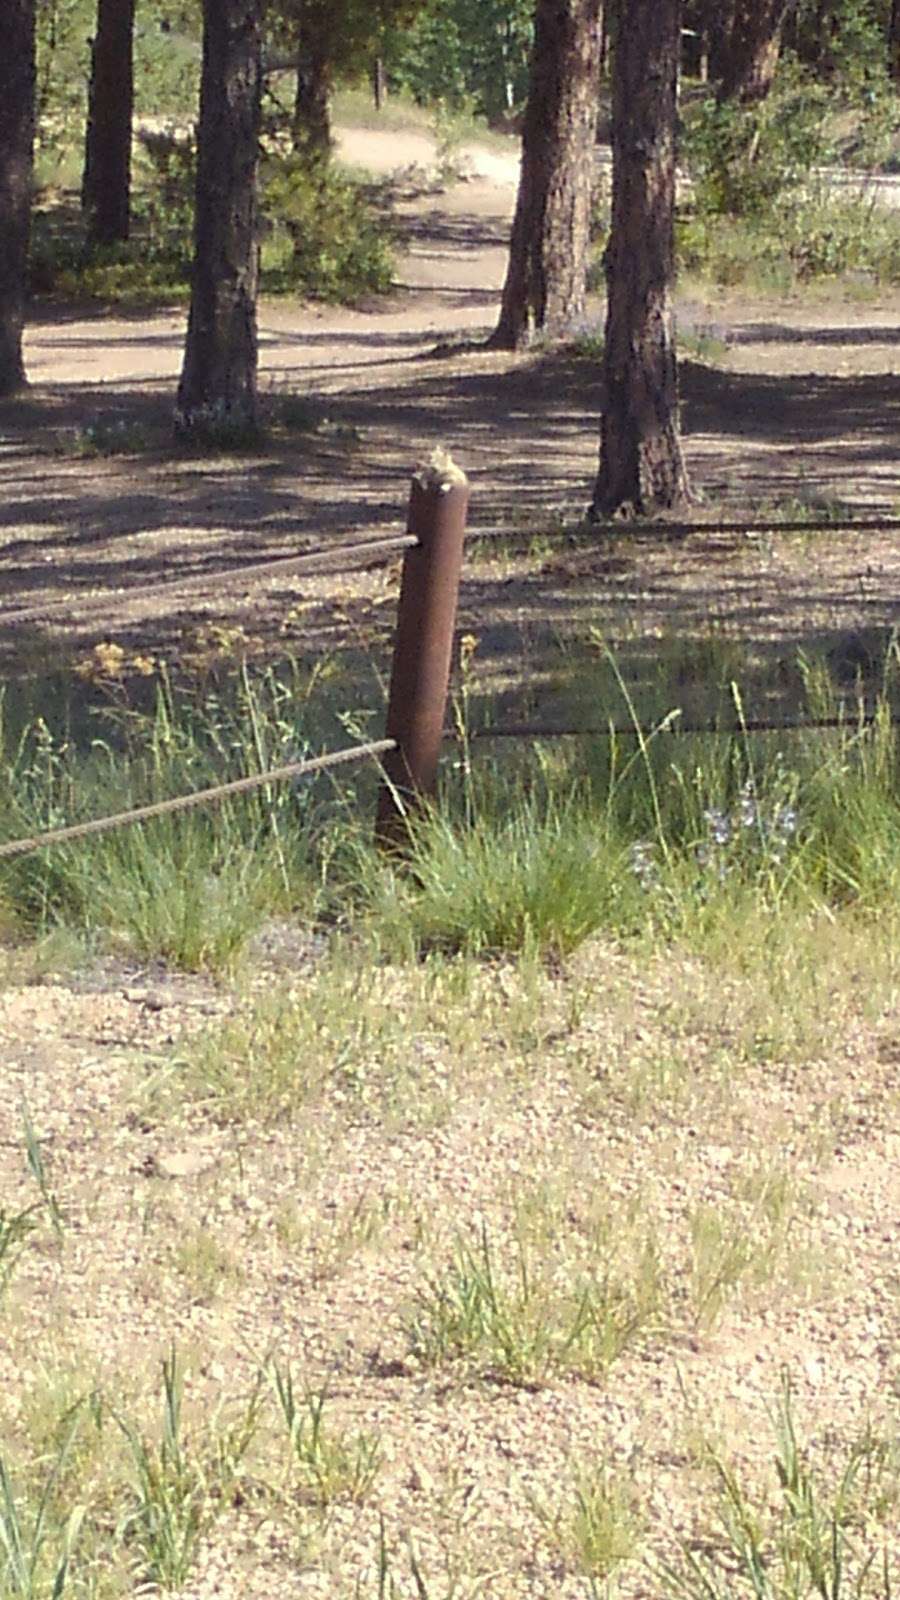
x: 107, y: 660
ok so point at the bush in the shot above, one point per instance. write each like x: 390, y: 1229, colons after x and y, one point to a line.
x: 155, y: 263
x: 742, y: 160
x: 325, y: 238
x: 819, y: 237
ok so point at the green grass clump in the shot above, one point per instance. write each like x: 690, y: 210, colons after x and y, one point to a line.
x: 508, y: 1313
x: 35, y: 1551
x: 326, y: 1465
x: 814, y: 1540
x: 191, y: 888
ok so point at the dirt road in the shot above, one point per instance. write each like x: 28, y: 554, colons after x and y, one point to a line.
x: 799, y: 404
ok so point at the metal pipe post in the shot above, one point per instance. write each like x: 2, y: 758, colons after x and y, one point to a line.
x: 423, y: 647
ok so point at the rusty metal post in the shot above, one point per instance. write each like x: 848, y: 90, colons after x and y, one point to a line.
x: 423, y: 646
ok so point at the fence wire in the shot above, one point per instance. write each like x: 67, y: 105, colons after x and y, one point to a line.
x: 530, y: 731
x: 319, y: 562
x: 343, y: 557
x: 673, y: 724
x: 200, y: 797
x: 661, y: 526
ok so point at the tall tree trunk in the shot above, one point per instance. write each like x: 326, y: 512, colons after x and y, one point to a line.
x: 379, y: 82
x: 220, y: 357
x: 712, y: 22
x: 893, y: 41
x: 17, y: 89
x: 106, y: 186
x: 750, y: 49
x: 641, y: 465
x: 545, y: 280
x: 311, y: 126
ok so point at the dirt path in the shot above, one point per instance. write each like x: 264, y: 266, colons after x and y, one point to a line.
x: 801, y: 403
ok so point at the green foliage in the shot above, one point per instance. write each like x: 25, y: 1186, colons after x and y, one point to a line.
x: 816, y: 1544
x: 155, y: 264
x: 194, y: 888
x: 467, y: 52
x: 742, y: 161
x: 170, y: 1504
x: 166, y: 69
x: 328, y: 1466
x: 514, y: 1317
x: 758, y: 213
x: 352, y: 31
x: 35, y: 1554
x: 325, y: 239
x: 817, y: 237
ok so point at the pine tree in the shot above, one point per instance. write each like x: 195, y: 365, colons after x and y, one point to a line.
x: 641, y: 465
x: 545, y: 280
x: 106, y: 186
x: 220, y: 358
x: 17, y: 88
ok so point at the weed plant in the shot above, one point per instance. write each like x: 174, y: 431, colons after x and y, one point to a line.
x: 815, y: 1543
x: 170, y: 1502
x: 503, y: 1313
x: 35, y: 1553
x: 326, y: 1465
x: 595, y: 1527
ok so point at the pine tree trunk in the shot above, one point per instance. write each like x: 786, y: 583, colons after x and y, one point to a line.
x: 311, y: 126
x: 220, y: 360
x: 106, y: 186
x: 17, y: 89
x: 545, y: 280
x: 751, y: 48
x: 379, y: 82
x: 641, y: 465
x: 894, y: 41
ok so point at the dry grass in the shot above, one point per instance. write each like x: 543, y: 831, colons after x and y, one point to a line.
x: 463, y: 1307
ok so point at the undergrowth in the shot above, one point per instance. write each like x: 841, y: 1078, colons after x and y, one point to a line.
x: 644, y: 832
x: 324, y: 234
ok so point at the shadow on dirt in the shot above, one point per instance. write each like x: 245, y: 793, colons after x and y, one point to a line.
x: 526, y: 431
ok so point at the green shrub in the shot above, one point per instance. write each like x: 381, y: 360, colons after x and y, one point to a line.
x: 742, y: 160
x: 819, y: 237
x: 154, y: 264
x: 325, y: 239
x: 324, y: 236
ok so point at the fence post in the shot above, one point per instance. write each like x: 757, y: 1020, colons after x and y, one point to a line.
x: 423, y: 646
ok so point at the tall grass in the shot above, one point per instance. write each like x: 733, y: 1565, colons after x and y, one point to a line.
x: 650, y: 831
x: 191, y: 888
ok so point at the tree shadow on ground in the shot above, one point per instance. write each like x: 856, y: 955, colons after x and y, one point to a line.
x: 526, y: 431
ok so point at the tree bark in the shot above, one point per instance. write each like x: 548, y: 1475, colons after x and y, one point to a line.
x: 106, y: 186
x: 311, y: 126
x: 379, y: 82
x: 17, y: 90
x: 545, y: 280
x: 642, y: 469
x: 220, y: 358
x: 893, y: 41
x: 750, y: 50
